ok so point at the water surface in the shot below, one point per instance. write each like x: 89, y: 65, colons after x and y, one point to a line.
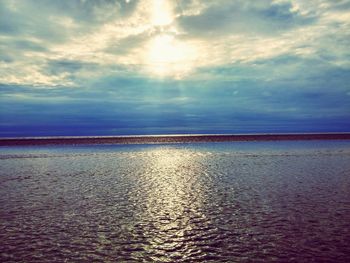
x: 212, y: 202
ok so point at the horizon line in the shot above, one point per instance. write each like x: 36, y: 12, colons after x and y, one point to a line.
x: 168, y: 135
x: 171, y: 138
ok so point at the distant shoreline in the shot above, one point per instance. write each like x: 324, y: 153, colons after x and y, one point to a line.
x: 158, y: 139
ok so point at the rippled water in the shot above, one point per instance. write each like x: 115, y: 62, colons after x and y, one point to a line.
x: 225, y: 202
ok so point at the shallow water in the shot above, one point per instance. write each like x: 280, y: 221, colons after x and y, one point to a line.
x: 223, y: 202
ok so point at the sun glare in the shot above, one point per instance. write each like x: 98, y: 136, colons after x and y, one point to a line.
x: 165, y: 55
x: 161, y: 14
x: 168, y: 56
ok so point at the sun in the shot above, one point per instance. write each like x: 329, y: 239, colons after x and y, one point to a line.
x: 165, y: 53
x: 167, y: 56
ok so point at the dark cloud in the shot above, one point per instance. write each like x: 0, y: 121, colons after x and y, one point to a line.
x: 22, y: 45
x: 47, y: 19
x: 244, y: 17
x: 89, y: 11
x: 339, y: 4
x: 56, y: 67
x: 127, y: 44
x: 128, y: 105
x: 29, y: 22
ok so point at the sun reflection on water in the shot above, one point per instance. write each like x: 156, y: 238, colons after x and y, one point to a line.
x: 173, y: 200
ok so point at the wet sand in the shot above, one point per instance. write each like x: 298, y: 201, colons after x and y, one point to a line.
x: 158, y: 139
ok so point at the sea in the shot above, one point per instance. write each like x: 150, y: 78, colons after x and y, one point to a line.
x: 256, y: 201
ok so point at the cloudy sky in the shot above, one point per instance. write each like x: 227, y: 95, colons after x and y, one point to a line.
x: 107, y: 67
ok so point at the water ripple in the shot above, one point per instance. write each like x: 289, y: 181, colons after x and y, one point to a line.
x: 175, y: 204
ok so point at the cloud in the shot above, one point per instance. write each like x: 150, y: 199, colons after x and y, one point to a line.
x: 17, y: 16
x: 265, y: 17
x: 115, y: 67
x: 127, y: 44
x: 114, y: 34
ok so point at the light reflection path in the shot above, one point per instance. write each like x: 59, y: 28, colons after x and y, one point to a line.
x: 173, y: 203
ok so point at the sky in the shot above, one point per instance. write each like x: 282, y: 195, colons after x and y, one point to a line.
x: 124, y: 67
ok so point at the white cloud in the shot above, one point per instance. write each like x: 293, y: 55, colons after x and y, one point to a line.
x: 138, y: 37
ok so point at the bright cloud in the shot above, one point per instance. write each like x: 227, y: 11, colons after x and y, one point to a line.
x: 168, y: 38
